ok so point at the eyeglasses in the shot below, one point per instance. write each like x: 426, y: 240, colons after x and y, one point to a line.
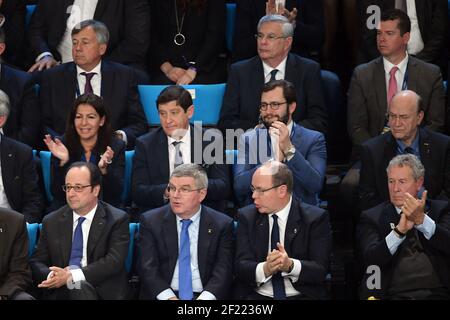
x: 183, y: 190
x: 77, y: 188
x: 273, y: 105
x: 260, y: 191
x: 401, y: 117
x: 269, y: 37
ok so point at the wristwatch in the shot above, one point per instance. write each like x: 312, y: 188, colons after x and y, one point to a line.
x: 399, y: 233
x: 290, y: 153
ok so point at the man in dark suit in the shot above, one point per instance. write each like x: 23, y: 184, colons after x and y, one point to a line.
x: 13, y: 24
x: 176, y: 142
x: 372, y: 85
x: 83, y: 246
x: 301, y: 149
x: 404, y: 241
x: 283, y: 247
x: 24, y: 114
x: 15, y: 274
x: 185, y: 247
x: 433, y: 149
x: 429, y: 30
x: 240, y: 108
x: 90, y: 73
x: 50, y: 26
x: 19, y: 187
x: 309, y: 26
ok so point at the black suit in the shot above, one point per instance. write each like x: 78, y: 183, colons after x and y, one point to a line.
x: 24, y: 113
x: 240, y: 108
x: 432, y: 18
x: 158, y: 244
x: 307, y: 238
x: 151, y: 172
x: 20, y: 179
x: 128, y: 23
x: 308, y: 34
x: 107, y: 249
x: 375, y: 225
x: 377, y: 152
x: 15, y: 273
x: 112, y: 182
x: 14, y: 27
x: 118, y: 89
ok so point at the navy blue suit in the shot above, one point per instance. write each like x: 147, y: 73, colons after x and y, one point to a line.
x: 158, y: 244
x: 308, y: 164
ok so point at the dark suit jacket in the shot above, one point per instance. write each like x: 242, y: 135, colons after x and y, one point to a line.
x: 240, y: 108
x: 377, y: 152
x: 205, y: 37
x: 308, y: 33
x: 112, y: 182
x: 375, y: 225
x: 128, y: 23
x: 307, y: 238
x: 432, y: 17
x: 118, y: 89
x: 158, y: 246
x: 14, y: 27
x: 151, y: 171
x: 107, y: 249
x: 15, y: 273
x: 367, y: 97
x: 24, y: 113
x: 20, y: 179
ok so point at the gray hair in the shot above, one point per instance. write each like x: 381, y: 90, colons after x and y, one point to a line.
x: 281, y: 174
x: 100, y: 29
x: 408, y: 160
x: 194, y: 171
x: 287, y: 27
x: 4, y: 104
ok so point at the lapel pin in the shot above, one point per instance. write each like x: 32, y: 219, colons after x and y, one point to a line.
x: 1, y: 230
x: 392, y: 226
x: 209, y: 231
x: 10, y: 155
x: 295, y: 231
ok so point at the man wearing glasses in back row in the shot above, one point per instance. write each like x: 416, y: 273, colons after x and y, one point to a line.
x: 279, y: 137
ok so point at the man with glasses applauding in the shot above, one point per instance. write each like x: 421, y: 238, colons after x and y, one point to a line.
x: 279, y: 137
x: 283, y: 246
x: 83, y: 246
x: 185, y: 247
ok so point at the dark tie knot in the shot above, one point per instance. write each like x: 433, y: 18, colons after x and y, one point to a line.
x: 408, y: 150
x: 273, y: 74
x: 176, y: 143
x: 275, y: 218
x: 88, y: 75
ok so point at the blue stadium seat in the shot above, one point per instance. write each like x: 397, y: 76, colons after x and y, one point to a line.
x: 134, y: 228
x: 46, y: 157
x: 231, y: 20
x: 125, y: 197
x: 29, y: 13
x: 207, y: 100
x: 32, y: 229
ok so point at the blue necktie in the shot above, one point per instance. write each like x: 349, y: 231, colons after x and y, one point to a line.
x: 277, y: 280
x: 184, y: 263
x: 77, y: 245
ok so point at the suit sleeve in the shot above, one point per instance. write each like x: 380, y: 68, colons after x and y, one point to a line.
x: 15, y: 31
x: 40, y: 260
x: 435, y: 114
x: 441, y: 236
x: 133, y: 46
x: 113, y: 180
x: 309, y: 30
x: 30, y: 116
x: 368, y: 194
x: 244, y: 43
x: 244, y: 170
x: 144, y: 193
x: 38, y: 30
x: 18, y: 275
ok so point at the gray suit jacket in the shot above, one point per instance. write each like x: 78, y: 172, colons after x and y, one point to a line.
x: 367, y: 97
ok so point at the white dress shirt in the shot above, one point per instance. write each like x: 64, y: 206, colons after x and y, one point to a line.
x: 264, y: 285
x: 96, y: 80
x: 399, y: 75
x: 279, y: 75
x: 185, y: 148
x: 415, y: 43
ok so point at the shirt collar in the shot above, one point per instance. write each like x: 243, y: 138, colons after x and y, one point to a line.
x: 283, y: 213
x: 89, y: 216
x: 401, y: 65
x: 185, y: 139
x: 194, y: 218
x: 281, y: 68
x: 97, y: 69
x: 414, y: 145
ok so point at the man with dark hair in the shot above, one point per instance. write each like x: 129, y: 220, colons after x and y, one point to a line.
x: 279, y: 137
x: 283, y: 246
x: 24, y: 114
x: 186, y: 248
x: 174, y: 143
x: 50, y: 29
x: 90, y: 73
x: 405, y: 116
x: 406, y: 238
x: 240, y: 108
x: 82, y: 246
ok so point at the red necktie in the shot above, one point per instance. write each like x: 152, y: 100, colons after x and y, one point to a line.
x: 392, y: 90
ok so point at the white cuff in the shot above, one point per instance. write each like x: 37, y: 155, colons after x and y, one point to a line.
x: 206, y: 295
x: 77, y: 275
x: 166, y: 295
x: 124, y: 136
x: 428, y: 227
x: 260, y: 277
x: 295, y: 273
x: 43, y: 54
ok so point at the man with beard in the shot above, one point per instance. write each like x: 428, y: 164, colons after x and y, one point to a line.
x: 278, y: 137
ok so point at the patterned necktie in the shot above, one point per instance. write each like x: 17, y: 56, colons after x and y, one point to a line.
x: 77, y: 245
x: 408, y: 150
x: 88, y: 85
x: 392, y: 84
x: 401, y: 4
x: 279, y: 292
x: 178, y: 154
x: 272, y: 74
x: 184, y: 263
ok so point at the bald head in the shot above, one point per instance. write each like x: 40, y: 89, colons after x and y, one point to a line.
x: 407, y: 98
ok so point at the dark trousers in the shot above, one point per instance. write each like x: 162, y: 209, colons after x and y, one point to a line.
x: 81, y: 290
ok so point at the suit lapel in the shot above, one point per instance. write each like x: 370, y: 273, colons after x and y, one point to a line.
x: 170, y: 237
x: 292, y: 225
x: 101, y: 6
x: 97, y: 226
x: 380, y: 88
x: 413, y: 77
x: 261, y: 236
x: 70, y: 86
x: 425, y: 157
x: 65, y: 231
x: 163, y: 161
x: 7, y: 162
x: 390, y: 151
x: 205, y: 233
x: 107, y: 78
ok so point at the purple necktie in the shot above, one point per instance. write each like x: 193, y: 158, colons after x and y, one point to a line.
x: 88, y: 86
